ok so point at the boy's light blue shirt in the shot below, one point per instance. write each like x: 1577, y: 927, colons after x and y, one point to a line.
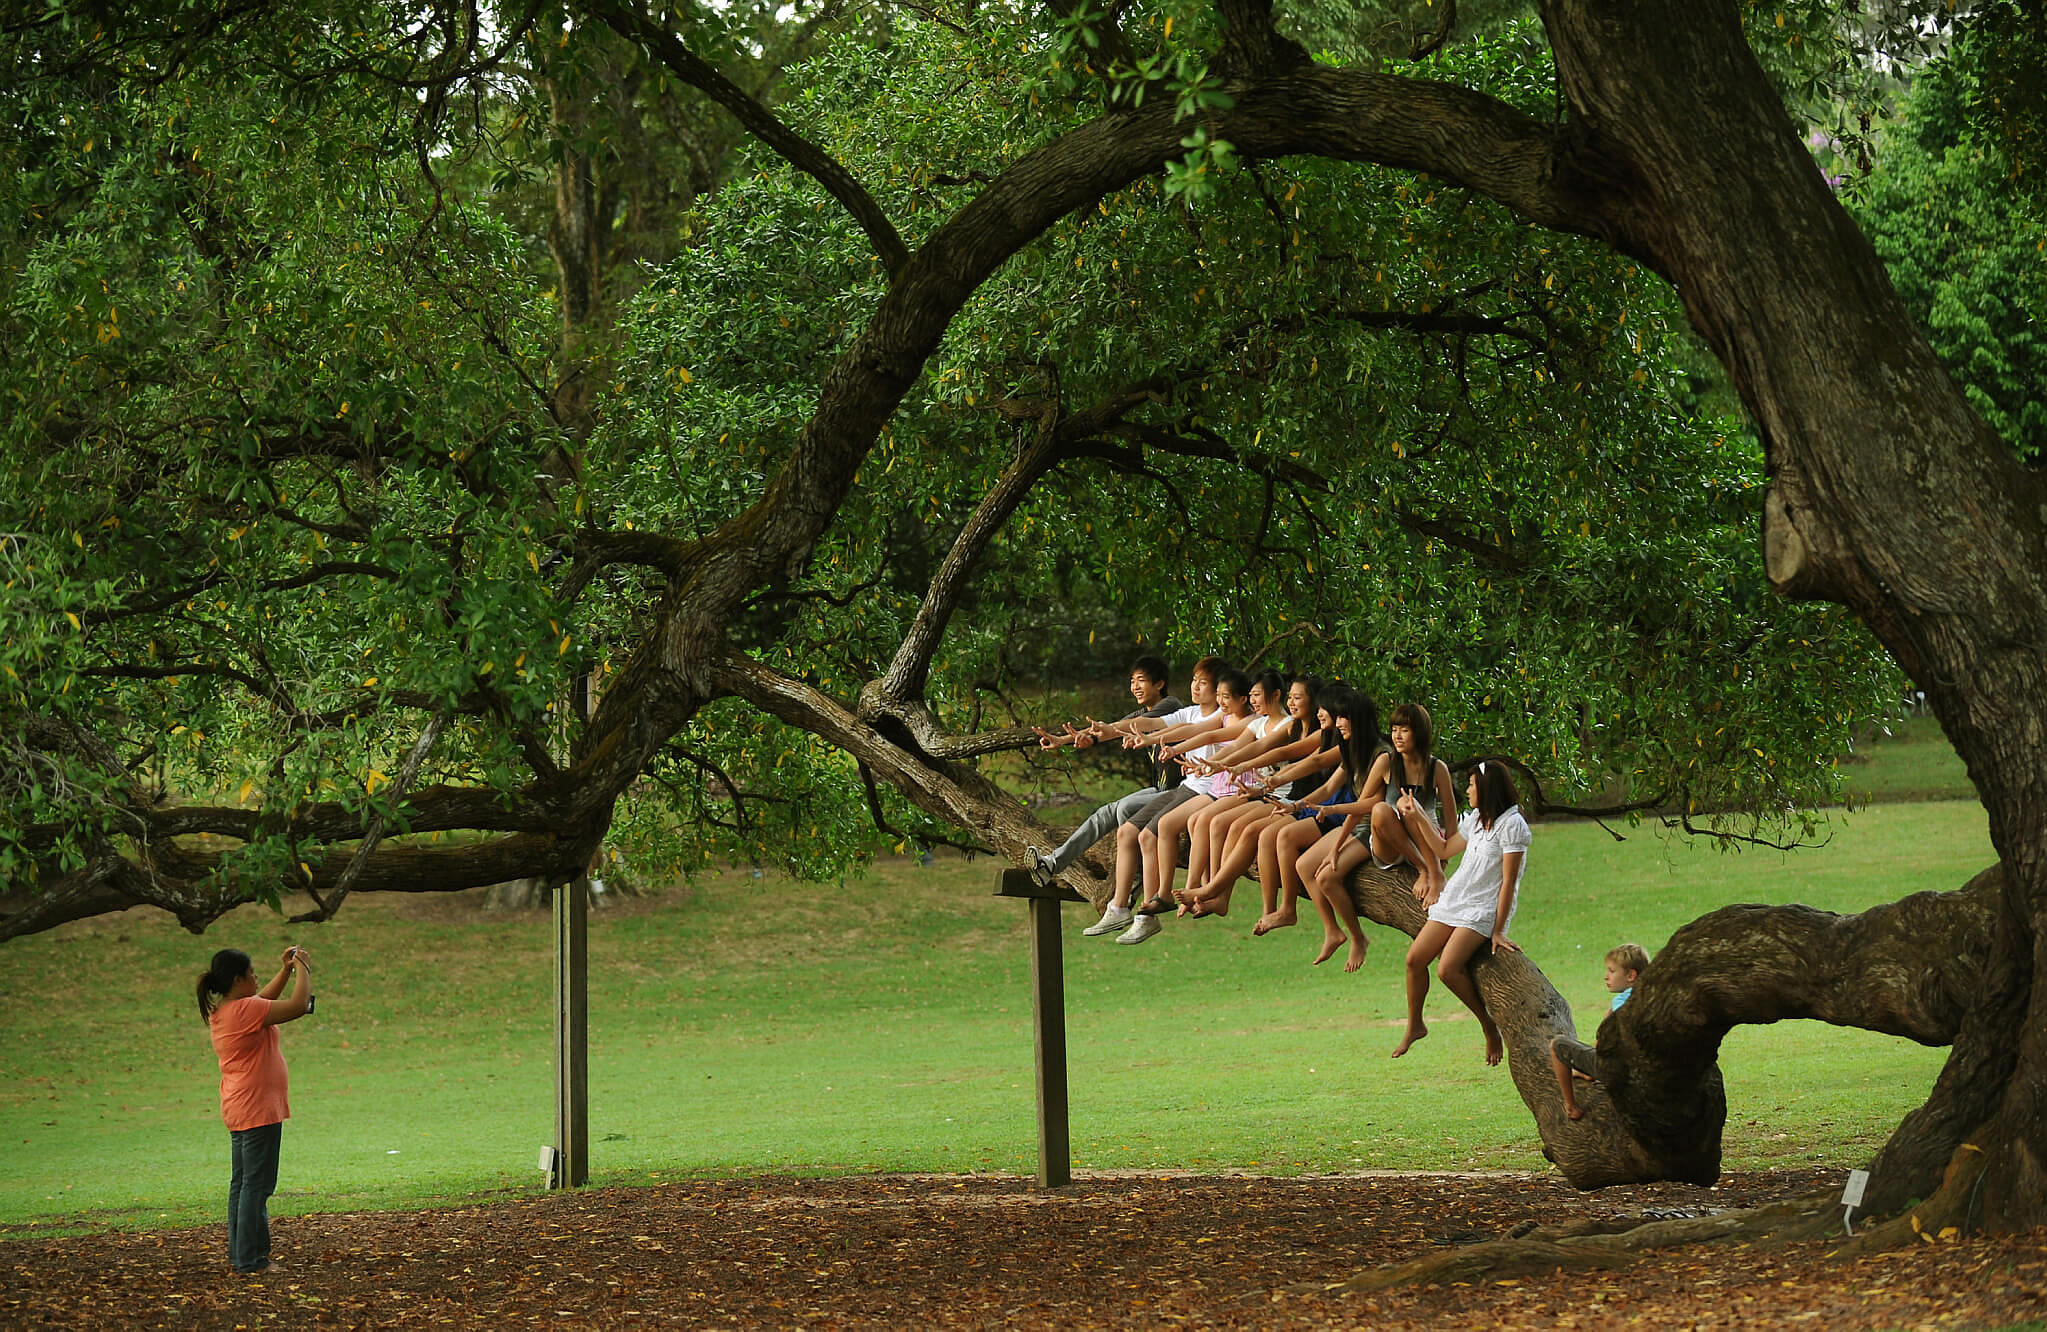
x: 1621, y: 998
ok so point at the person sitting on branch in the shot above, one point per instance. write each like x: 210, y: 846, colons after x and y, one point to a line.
x: 1573, y: 1059
x: 1148, y: 676
x: 1475, y: 907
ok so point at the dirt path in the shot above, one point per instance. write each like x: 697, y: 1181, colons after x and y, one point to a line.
x: 900, y: 1251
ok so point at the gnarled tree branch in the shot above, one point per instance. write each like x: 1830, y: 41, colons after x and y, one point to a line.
x: 800, y: 152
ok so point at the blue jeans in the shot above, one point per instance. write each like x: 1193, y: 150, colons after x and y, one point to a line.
x: 250, y: 1183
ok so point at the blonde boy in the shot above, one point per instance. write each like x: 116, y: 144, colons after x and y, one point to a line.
x: 1624, y: 966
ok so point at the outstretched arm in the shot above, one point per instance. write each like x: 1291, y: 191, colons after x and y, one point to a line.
x: 1318, y: 761
x: 1374, y: 792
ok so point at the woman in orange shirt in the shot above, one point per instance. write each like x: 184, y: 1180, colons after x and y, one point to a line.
x: 244, y: 1022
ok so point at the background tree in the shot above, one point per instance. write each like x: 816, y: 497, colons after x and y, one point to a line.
x: 1956, y: 208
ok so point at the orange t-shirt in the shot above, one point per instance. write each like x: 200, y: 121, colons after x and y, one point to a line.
x: 252, y: 1078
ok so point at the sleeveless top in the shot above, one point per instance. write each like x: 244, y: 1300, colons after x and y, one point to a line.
x: 1424, y: 791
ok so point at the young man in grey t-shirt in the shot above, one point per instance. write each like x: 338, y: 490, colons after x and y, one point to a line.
x: 1148, y: 678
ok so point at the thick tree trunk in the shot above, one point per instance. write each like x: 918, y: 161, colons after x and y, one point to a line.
x: 1888, y: 493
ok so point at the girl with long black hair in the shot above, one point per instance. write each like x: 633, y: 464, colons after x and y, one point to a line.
x: 243, y: 1017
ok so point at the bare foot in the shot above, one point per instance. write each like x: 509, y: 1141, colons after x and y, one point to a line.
x: 1329, y: 947
x: 1572, y: 1109
x: 1212, y: 904
x: 1357, y: 954
x: 1187, y: 899
x: 1421, y: 888
x: 1273, y: 920
x: 1414, y: 1033
x: 1495, y: 1049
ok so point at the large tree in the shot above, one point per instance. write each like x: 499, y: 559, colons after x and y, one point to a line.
x: 317, y: 359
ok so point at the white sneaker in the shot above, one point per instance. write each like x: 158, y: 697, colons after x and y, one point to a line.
x: 1040, y: 867
x: 1113, y: 919
x: 1140, y: 929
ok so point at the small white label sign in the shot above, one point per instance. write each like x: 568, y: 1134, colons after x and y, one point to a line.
x: 1851, y: 1196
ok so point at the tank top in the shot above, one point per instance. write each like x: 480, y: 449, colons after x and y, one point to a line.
x: 1424, y: 791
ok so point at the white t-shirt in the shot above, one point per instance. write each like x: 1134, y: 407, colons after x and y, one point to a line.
x: 1472, y: 896
x: 1204, y: 783
x: 1261, y: 726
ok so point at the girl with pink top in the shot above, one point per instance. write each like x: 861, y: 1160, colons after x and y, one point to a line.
x: 244, y: 1021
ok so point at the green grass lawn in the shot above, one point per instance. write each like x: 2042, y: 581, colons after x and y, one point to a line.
x: 1908, y: 760
x: 747, y: 1025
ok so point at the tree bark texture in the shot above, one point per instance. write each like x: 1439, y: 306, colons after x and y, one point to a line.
x: 1888, y: 493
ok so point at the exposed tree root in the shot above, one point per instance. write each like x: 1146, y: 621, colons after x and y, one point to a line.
x: 1599, y: 1244
x: 1494, y: 1260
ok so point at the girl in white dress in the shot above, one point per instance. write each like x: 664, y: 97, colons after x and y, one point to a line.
x: 1475, y: 906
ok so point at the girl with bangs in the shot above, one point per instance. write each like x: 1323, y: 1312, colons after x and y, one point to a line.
x: 1254, y: 837
x: 1232, y: 831
x: 1355, y: 719
x: 1407, y: 783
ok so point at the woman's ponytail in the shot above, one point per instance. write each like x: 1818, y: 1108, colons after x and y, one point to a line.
x: 229, y: 965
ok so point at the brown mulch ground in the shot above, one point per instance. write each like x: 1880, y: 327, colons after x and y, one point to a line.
x: 900, y: 1251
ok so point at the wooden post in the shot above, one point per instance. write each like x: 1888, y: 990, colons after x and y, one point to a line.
x: 572, y: 1034
x: 1048, y: 1010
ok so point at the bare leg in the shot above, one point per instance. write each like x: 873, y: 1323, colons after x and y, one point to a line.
x: 1272, y: 885
x: 1335, y: 880
x: 1312, y: 867
x: 1240, y: 851
x: 1294, y: 839
x: 1421, y: 956
x: 1427, y: 846
x: 1198, y: 859
x: 1564, y: 1083
x: 1425, y: 852
x: 1454, y: 968
x: 1222, y: 828
x: 1148, y: 850
x: 1168, y: 846
x: 1390, y: 840
x: 1129, y: 860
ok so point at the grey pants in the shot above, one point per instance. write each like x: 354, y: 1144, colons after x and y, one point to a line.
x: 1100, y: 824
x: 251, y: 1180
